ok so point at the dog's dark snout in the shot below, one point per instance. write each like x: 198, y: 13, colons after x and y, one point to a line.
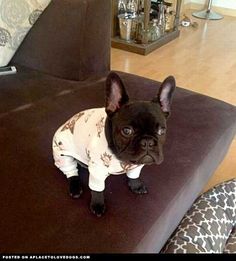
x: 147, y: 143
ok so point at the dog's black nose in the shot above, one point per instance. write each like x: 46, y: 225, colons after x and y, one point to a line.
x: 147, y: 143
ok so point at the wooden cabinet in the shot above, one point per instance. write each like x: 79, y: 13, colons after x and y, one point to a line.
x: 145, y: 47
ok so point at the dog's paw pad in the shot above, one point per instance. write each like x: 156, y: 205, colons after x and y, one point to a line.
x: 97, y: 209
x: 76, y: 195
x: 75, y: 189
x: 137, y: 186
x: 140, y: 190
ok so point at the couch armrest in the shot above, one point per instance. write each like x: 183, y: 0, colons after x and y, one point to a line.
x: 70, y: 40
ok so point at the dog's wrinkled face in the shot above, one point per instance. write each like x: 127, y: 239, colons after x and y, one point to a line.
x: 136, y: 131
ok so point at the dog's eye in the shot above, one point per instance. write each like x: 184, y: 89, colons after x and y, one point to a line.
x: 127, y: 131
x: 161, y: 131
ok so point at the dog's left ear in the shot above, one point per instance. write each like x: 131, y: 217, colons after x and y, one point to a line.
x: 116, y: 95
x: 164, y: 95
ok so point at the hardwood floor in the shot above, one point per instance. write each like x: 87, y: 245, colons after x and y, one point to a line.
x: 202, y: 60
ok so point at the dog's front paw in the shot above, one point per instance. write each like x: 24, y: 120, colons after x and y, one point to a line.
x: 75, y: 189
x: 97, y: 209
x: 137, y: 186
x: 97, y: 205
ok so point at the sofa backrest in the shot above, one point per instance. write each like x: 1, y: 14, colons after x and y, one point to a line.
x: 71, y: 40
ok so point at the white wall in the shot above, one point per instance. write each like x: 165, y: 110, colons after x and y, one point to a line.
x: 231, y: 4
x: 186, y: 1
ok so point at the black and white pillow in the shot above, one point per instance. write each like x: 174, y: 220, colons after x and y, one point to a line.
x: 210, y: 224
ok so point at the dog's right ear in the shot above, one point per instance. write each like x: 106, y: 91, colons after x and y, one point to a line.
x: 164, y: 96
x: 116, y: 95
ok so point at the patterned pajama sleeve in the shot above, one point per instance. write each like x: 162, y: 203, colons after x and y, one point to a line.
x: 67, y: 164
x: 97, y: 177
x: 134, y: 173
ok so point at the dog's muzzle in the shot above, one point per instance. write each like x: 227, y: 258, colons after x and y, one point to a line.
x: 147, y: 159
x: 150, y: 153
x: 148, y: 143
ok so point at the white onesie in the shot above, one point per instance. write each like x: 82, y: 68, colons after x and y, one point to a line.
x: 82, y: 140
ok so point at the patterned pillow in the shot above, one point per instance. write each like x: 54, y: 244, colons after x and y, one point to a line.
x: 16, y: 19
x: 210, y: 224
x: 230, y: 246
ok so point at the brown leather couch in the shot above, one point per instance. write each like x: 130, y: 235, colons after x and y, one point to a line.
x: 62, y: 65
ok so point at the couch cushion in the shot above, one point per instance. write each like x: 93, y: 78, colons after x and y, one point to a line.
x: 67, y: 42
x: 28, y: 86
x: 16, y: 19
x: 39, y: 216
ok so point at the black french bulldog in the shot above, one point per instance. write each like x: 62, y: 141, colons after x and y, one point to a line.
x: 134, y: 133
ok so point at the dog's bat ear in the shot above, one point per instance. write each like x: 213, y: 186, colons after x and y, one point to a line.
x: 165, y: 94
x: 116, y: 95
